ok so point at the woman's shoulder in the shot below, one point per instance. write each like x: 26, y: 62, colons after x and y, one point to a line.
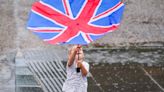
x: 85, y: 63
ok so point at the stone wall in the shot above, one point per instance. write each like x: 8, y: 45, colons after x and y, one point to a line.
x: 7, y: 25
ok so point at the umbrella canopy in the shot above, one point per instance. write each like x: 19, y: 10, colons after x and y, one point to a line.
x: 74, y: 21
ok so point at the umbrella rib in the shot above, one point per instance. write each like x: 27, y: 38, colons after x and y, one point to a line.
x: 47, y: 31
x: 44, y: 28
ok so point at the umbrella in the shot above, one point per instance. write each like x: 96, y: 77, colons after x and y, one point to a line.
x: 74, y: 21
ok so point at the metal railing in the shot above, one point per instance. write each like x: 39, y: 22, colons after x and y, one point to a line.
x: 47, y: 68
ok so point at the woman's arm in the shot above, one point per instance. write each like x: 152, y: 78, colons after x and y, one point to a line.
x: 83, y: 69
x: 71, y: 57
x: 72, y: 54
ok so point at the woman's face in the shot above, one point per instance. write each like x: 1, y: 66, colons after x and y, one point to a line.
x: 79, y: 55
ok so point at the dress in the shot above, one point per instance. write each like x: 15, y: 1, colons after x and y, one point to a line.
x: 75, y: 82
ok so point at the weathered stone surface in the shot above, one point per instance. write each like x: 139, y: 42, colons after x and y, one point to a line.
x: 7, y: 75
x: 142, y: 24
x: 7, y: 25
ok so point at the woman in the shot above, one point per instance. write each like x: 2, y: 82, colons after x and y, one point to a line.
x: 77, y: 71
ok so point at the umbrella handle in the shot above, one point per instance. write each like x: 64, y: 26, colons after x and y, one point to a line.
x: 78, y: 46
x: 78, y: 69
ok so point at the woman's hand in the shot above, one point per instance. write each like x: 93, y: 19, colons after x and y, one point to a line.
x: 76, y: 49
x: 79, y: 64
x: 74, y: 54
x: 82, y: 68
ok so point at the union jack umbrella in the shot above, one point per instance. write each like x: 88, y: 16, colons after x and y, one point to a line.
x: 74, y: 21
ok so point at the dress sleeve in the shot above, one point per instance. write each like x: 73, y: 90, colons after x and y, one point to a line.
x: 86, y: 65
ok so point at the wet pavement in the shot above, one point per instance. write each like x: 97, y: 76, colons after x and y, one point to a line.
x: 130, y: 77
